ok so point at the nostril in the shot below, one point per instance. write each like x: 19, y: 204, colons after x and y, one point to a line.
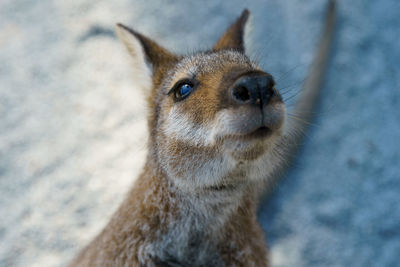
x: 241, y: 94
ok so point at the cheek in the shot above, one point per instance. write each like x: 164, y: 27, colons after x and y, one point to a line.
x: 177, y: 124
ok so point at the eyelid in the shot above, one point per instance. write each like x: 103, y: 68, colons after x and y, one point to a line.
x: 180, y: 83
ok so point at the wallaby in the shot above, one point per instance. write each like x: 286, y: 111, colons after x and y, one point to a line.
x: 218, y: 132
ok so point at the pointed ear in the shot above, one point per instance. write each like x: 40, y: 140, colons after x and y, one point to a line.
x: 233, y: 37
x: 143, y: 49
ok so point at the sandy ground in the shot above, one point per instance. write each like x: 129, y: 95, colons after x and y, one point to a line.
x: 72, y: 128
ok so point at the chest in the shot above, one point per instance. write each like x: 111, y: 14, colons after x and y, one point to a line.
x: 188, y: 244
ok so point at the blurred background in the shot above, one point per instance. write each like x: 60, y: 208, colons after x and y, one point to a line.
x: 73, y: 130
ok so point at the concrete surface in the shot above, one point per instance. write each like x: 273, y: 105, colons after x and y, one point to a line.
x: 72, y: 129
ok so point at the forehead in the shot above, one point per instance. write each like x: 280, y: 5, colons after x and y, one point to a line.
x: 204, y: 63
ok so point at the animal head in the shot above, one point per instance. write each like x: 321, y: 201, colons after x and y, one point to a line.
x: 216, y: 118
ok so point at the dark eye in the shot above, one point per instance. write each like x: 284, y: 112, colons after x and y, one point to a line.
x: 182, y: 90
x: 185, y: 90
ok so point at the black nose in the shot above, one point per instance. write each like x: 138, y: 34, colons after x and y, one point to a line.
x: 253, y: 90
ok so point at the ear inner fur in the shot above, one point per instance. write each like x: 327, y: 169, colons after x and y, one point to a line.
x: 155, y: 54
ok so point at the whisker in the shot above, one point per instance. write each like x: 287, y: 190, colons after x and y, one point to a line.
x: 301, y: 120
x: 293, y: 85
x: 286, y: 73
x: 292, y: 96
x: 293, y: 90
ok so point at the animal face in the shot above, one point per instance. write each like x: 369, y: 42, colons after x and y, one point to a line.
x: 216, y: 117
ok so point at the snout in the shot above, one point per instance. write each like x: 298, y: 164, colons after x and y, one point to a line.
x: 254, y: 90
x: 257, y: 105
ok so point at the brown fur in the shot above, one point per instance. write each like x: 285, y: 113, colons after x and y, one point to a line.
x: 148, y: 212
x: 194, y: 203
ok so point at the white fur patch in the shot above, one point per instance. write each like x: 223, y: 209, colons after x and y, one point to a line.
x: 182, y: 128
x: 222, y: 125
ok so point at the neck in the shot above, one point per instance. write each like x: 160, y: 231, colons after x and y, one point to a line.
x: 207, y: 210
x: 191, y: 224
